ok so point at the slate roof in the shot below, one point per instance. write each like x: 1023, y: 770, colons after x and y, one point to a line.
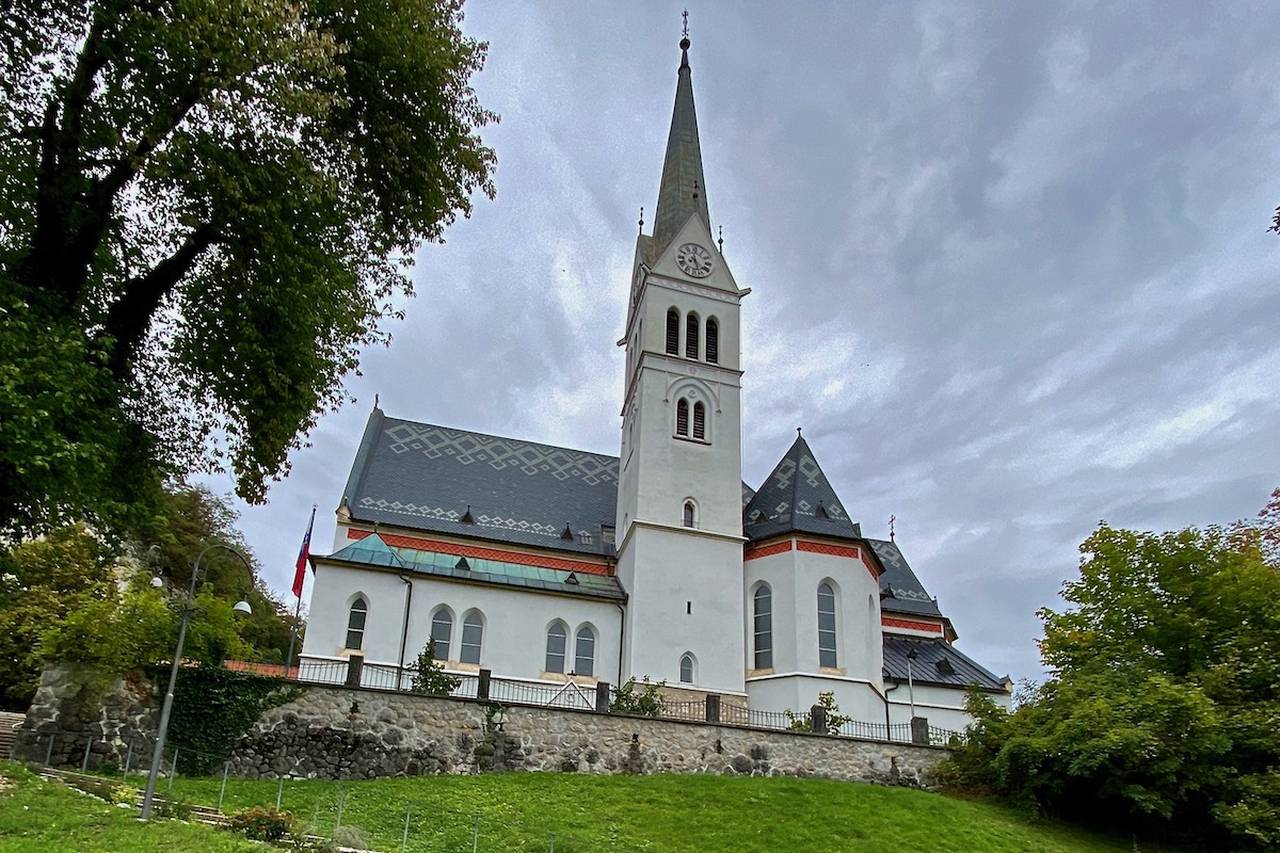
x: 908, y: 594
x: 683, y: 191
x: 374, y: 551
x: 424, y: 476
x: 797, y: 497
x: 959, y: 670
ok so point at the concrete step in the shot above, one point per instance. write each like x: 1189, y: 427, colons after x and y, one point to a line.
x: 8, y: 720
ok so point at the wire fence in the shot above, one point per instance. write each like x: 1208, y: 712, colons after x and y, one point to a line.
x: 572, y: 695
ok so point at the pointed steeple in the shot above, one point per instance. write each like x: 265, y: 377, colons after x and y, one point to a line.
x: 797, y: 497
x: 683, y: 189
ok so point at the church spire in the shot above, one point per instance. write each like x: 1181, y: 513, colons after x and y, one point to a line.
x: 683, y: 189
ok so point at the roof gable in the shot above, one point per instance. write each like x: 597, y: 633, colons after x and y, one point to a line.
x: 797, y: 497
x: 905, y: 593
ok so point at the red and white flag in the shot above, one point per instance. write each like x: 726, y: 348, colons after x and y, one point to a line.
x: 300, y: 571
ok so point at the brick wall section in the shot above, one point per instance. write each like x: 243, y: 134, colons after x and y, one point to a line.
x: 337, y: 733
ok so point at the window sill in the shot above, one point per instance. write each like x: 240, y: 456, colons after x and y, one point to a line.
x: 685, y: 438
x: 756, y: 673
x: 833, y: 670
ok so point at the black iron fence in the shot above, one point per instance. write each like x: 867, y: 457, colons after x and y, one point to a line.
x: 599, y: 697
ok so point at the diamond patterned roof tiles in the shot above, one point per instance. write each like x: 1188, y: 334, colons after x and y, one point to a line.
x: 797, y: 497
x: 908, y: 594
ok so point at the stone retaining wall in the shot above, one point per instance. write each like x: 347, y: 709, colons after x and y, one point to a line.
x: 339, y: 733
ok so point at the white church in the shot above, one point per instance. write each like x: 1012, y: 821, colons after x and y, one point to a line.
x: 555, y: 566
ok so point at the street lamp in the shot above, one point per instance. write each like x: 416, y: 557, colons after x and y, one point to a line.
x: 240, y: 607
x: 911, y: 689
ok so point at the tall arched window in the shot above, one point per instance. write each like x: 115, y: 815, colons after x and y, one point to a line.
x: 441, y: 631
x: 690, y: 514
x: 355, y: 623
x: 713, y: 340
x: 691, y: 335
x: 826, y: 625
x: 557, y: 637
x: 686, y: 668
x: 673, y: 331
x: 762, y: 626
x: 584, y: 657
x: 682, y: 417
x: 472, y: 634
x: 699, y: 421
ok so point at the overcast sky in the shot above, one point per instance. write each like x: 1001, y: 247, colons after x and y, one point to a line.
x: 1009, y: 264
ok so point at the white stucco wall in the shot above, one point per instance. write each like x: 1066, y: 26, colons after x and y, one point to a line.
x: 515, y: 620
x: 942, y: 706
x: 685, y: 596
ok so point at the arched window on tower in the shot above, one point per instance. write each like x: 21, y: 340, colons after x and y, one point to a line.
x: 472, y: 634
x: 700, y: 421
x: 584, y: 651
x: 762, y: 626
x: 355, y: 623
x: 557, y: 638
x: 691, y: 335
x: 826, y: 626
x: 673, y: 331
x: 441, y: 631
x: 682, y: 417
x: 713, y: 340
x: 686, y: 668
x: 690, y: 514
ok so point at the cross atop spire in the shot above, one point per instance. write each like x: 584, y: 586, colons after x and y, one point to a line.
x: 683, y: 189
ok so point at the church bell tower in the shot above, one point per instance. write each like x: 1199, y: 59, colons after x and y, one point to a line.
x: 679, y: 520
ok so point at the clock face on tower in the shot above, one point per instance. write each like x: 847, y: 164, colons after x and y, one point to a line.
x: 694, y: 260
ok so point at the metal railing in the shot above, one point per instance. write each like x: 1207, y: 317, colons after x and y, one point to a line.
x: 570, y: 695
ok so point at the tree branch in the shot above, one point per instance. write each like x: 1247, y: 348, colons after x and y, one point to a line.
x: 129, y: 318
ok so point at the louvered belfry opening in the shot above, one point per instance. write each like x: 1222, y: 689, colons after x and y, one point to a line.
x: 673, y: 332
x: 691, y: 336
x: 699, y: 421
x: 713, y: 341
x: 682, y: 417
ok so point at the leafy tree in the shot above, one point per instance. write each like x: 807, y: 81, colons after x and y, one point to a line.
x: 209, y: 207
x: 429, y: 676
x: 1164, y: 703
x: 642, y: 698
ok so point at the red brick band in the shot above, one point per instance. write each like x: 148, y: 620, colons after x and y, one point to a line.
x: 910, y: 624
x: 480, y: 553
x: 767, y: 550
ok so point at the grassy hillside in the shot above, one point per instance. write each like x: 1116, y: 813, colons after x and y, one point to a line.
x: 520, y: 812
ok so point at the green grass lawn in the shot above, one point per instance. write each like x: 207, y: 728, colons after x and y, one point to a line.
x: 523, y: 811
x: 36, y: 816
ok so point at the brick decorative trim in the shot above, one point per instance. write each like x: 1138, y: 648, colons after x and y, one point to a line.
x: 910, y: 624
x: 767, y: 550
x: 482, y: 553
x: 850, y: 551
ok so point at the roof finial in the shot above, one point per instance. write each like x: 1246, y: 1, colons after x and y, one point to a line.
x: 685, y: 15
x: 892, y: 519
x: 797, y: 432
x: 684, y: 40
x: 641, y: 220
x: 695, y: 187
x: 721, y: 240
x: 375, y: 400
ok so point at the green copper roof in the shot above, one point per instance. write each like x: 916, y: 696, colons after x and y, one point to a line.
x: 683, y: 191
x: 373, y: 551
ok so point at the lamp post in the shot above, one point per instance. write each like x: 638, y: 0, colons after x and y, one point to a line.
x: 187, y: 608
x: 911, y: 689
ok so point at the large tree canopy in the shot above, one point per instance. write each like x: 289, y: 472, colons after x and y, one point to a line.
x: 1163, y: 709
x: 206, y: 208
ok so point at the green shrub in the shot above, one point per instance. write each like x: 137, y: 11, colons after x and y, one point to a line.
x: 429, y: 677
x: 645, y: 702
x: 350, y: 836
x: 172, y: 807
x: 262, y: 823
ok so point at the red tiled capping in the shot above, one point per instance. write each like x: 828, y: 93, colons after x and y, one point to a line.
x: 481, y: 553
x: 910, y: 624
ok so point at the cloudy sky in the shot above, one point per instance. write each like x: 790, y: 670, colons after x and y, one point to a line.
x: 1009, y: 263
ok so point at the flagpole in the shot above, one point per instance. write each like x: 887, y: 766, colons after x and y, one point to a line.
x: 298, y: 574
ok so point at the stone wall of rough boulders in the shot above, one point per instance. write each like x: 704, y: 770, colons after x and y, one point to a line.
x: 339, y: 733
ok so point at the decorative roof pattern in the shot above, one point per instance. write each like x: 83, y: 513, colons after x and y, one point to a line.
x: 936, y: 662
x: 373, y: 550
x: 907, y: 594
x: 797, y: 497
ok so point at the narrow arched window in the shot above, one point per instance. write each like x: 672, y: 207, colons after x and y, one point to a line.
x: 762, y: 626
x: 673, y: 331
x: 682, y: 417
x: 691, y: 336
x: 699, y: 421
x: 826, y: 625
x: 441, y: 631
x: 557, y: 636
x: 689, y: 519
x: 584, y: 652
x: 713, y: 340
x: 472, y: 634
x: 686, y: 668
x: 355, y: 623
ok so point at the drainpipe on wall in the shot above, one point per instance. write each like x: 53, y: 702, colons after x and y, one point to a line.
x: 404, y: 634
x: 622, y: 630
x: 885, y: 696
